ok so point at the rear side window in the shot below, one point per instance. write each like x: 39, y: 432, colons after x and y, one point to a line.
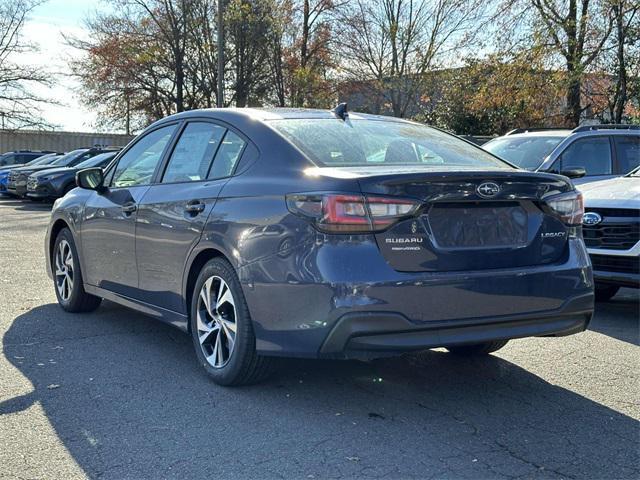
x: 137, y: 165
x: 591, y: 153
x: 628, y: 152
x: 194, y: 151
x: 334, y: 143
x: 227, y: 156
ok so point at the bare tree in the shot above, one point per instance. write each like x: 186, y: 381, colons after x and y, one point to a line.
x: 20, y: 107
x: 392, y: 44
x: 147, y: 59
x: 626, y: 41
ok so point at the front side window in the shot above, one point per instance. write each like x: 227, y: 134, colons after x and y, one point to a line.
x: 591, y: 153
x: 628, y: 152
x: 334, y: 143
x: 194, y: 151
x: 227, y: 156
x: 137, y: 165
x: 526, y: 152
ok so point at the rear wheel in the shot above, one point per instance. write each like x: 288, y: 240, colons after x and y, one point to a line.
x: 484, y: 348
x: 68, y: 276
x: 222, y: 330
x: 605, y: 292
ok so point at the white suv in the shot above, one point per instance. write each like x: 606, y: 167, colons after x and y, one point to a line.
x: 611, y: 228
x: 586, y: 154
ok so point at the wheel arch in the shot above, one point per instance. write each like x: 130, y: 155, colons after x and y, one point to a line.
x: 56, y: 228
x: 199, y: 261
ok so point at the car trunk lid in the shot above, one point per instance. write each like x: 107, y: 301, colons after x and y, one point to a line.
x: 471, y: 220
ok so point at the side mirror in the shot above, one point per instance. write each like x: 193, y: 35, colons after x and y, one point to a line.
x: 577, y: 172
x: 91, y: 179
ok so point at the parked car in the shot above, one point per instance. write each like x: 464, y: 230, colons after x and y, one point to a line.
x: 57, y: 182
x: 586, y: 154
x: 611, y: 227
x: 17, y: 182
x: 20, y: 157
x: 43, y: 160
x: 316, y: 233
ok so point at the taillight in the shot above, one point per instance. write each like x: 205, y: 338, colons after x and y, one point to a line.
x: 348, y: 213
x: 568, y: 207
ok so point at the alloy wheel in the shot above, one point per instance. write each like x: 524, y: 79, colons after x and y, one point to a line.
x: 216, y: 321
x: 64, y: 270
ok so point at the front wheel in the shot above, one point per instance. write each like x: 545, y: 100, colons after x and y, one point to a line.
x: 68, y: 276
x: 222, y: 330
x: 474, y: 349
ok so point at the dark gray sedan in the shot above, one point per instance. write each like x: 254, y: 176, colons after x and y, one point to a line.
x: 317, y: 233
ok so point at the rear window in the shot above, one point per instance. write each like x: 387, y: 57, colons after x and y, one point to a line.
x: 525, y: 152
x: 334, y: 143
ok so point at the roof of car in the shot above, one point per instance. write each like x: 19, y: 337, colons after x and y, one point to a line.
x: 265, y: 114
x: 584, y: 130
x: 542, y: 133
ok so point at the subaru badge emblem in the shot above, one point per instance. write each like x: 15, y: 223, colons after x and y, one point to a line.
x: 591, y: 218
x: 488, y: 189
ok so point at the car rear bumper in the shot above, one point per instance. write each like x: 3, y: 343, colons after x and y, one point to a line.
x: 328, y: 300
x: 362, y: 335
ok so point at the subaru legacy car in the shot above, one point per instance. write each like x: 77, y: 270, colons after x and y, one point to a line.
x: 57, y: 182
x: 322, y: 234
x: 588, y: 153
x: 611, y: 227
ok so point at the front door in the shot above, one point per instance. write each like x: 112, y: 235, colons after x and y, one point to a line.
x: 109, y: 221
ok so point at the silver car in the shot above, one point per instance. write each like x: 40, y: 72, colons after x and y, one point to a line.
x: 585, y: 154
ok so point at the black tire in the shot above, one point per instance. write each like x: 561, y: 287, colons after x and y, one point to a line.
x: 604, y: 292
x: 78, y: 300
x: 243, y: 366
x: 484, y: 348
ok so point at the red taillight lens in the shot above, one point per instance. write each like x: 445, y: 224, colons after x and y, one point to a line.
x: 568, y: 207
x: 341, y: 213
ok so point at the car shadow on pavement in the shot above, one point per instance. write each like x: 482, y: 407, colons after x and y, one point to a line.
x: 127, y: 399
x: 619, y: 318
x: 26, y: 205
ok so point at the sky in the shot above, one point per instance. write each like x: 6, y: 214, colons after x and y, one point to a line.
x: 45, y: 29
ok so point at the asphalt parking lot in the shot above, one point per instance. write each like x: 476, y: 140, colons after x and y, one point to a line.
x: 113, y: 394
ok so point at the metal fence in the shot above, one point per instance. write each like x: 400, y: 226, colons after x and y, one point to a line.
x: 57, y: 141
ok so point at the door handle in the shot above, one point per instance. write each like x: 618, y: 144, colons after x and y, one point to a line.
x: 194, y: 207
x: 129, y: 208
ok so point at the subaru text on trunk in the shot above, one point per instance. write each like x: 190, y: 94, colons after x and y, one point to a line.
x: 323, y: 234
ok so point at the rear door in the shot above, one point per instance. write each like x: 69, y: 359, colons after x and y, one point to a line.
x: 108, y: 226
x: 173, y: 212
x: 627, y: 149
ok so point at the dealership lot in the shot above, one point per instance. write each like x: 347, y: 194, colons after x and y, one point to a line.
x: 116, y: 395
